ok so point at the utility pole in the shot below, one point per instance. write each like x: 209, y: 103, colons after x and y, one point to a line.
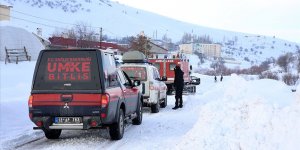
x: 100, y: 36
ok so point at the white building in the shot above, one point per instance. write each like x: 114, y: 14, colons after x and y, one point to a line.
x: 186, y: 48
x: 210, y: 50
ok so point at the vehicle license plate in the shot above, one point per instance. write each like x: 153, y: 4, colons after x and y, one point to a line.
x: 68, y: 120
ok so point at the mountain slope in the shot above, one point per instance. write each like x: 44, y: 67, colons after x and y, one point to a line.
x: 118, y: 20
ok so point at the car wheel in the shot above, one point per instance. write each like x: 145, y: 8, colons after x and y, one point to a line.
x: 139, y: 112
x: 165, y: 103
x: 52, y: 134
x: 116, y: 130
x: 155, y: 107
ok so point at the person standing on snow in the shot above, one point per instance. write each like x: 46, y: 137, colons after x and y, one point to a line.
x: 215, y: 78
x: 178, y: 84
x: 221, y: 78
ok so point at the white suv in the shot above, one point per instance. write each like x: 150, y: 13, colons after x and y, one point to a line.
x: 153, y: 88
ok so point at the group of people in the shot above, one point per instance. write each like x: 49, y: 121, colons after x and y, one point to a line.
x: 221, y: 79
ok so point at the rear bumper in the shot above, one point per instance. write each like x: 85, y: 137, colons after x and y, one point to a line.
x: 48, y: 123
x: 148, y: 100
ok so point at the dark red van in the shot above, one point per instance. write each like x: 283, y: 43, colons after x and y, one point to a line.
x: 82, y: 89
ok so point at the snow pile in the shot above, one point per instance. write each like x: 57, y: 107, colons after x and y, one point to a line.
x: 257, y: 114
x: 194, y: 61
x: 298, y: 94
x: 233, y: 114
x: 17, y: 38
x: 15, y: 90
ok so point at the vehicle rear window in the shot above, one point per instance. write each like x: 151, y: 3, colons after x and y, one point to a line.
x: 67, y: 70
x: 136, y: 73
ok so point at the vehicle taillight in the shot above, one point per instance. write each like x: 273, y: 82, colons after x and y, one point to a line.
x: 39, y: 123
x: 30, y: 101
x: 103, y: 115
x: 104, y: 100
x: 93, y: 123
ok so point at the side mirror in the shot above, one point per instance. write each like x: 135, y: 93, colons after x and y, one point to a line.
x: 164, y: 78
x: 136, y: 82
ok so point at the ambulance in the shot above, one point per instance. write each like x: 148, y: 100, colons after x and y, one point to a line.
x: 153, y: 87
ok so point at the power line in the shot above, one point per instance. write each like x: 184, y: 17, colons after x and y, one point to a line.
x: 104, y: 29
x: 31, y: 21
x: 52, y: 20
x: 42, y: 18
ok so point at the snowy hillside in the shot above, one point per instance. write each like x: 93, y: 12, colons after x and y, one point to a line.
x: 118, y: 20
x: 253, y: 50
x: 233, y: 114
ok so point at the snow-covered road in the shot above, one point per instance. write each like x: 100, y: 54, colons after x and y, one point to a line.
x: 234, y: 114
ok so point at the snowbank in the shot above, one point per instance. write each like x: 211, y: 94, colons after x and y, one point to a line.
x: 194, y: 61
x: 298, y: 94
x: 17, y: 38
x: 258, y: 114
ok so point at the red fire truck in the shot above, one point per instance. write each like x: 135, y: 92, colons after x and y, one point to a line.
x: 166, y: 63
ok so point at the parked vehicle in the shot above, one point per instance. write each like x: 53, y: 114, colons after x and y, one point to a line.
x: 195, y: 80
x: 166, y: 63
x: 82, y: 89
x: 153, y: 88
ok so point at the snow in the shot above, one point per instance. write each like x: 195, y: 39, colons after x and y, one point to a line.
x: 256, y: 48
x: 17, y: 38
x: 194, y: 61
x: 118, y: 20
x: 233, y: 114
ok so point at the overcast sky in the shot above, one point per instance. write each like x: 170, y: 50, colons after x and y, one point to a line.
x: 265, y: 17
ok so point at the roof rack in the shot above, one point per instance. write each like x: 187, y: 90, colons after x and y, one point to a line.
x: 134, y: 57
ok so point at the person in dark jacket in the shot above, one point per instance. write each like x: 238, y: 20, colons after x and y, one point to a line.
x: 221, y: 79
x: 178, y: 84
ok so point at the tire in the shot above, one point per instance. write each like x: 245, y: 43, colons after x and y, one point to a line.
x: 116, y: 130
x: 139, y: 112
x: 165, y: 103
x: 169, y: 89
x: 155, y: 107
x: 52, y: 134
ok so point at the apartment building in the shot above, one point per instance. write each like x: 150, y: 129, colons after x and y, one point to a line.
x: 186, y: 48
x: 210, y: 50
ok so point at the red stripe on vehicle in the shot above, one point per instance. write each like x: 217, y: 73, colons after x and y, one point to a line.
x: 55, y: 100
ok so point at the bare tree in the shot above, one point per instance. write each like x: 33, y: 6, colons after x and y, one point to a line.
x: 141, y: 43
x: 187, y: 37
x: 269, y: 75
x: 166, y: 39
x: 290, y: 79
x: 283, y: 61
x: 84, y: 32
x: 71, y: 34
x: 265, y: 65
